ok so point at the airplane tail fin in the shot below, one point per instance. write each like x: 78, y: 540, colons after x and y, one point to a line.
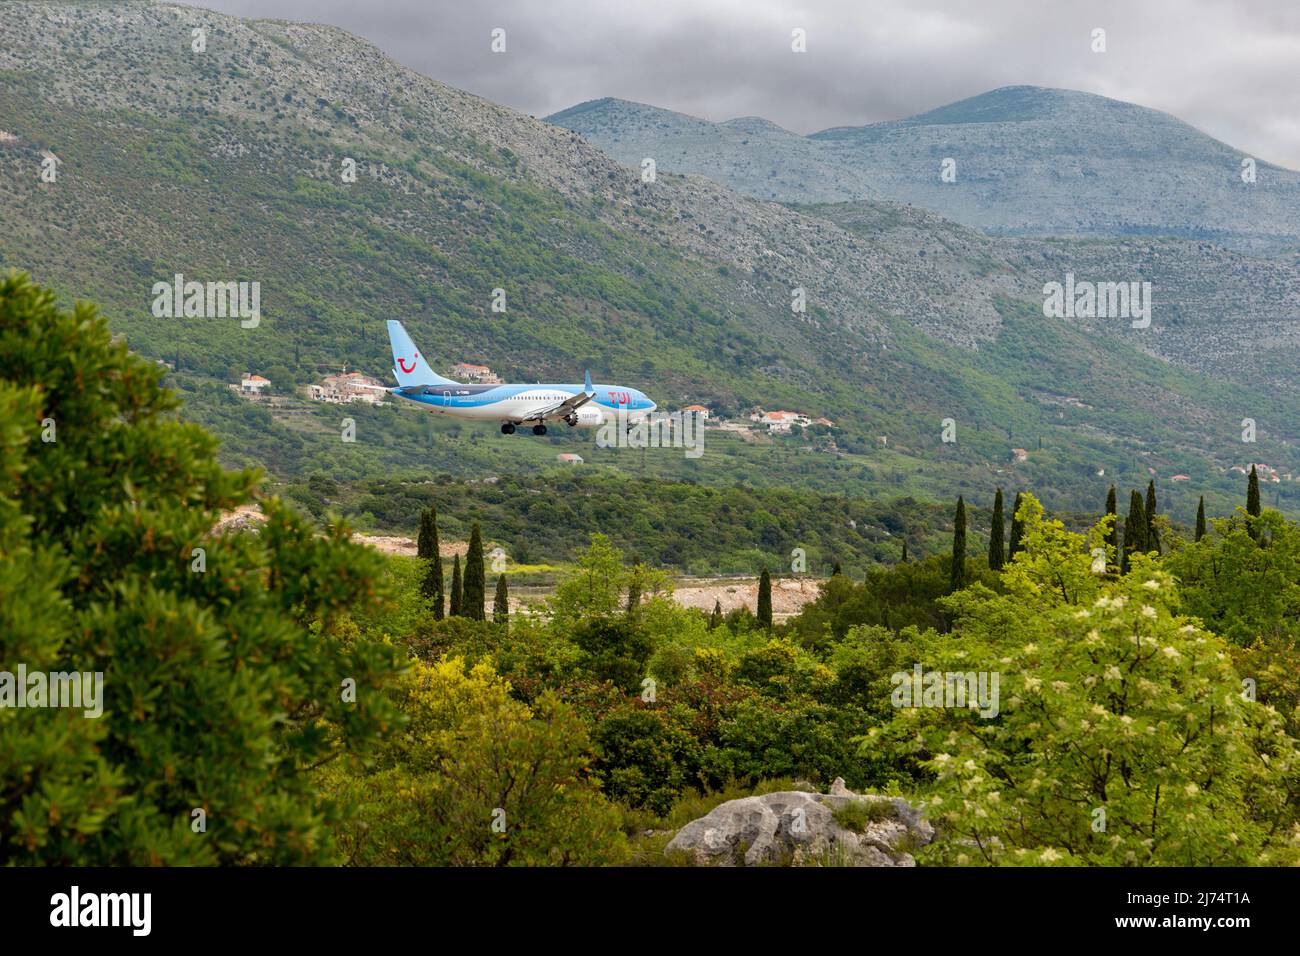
x: 586, y: 383
x: 408, y: 364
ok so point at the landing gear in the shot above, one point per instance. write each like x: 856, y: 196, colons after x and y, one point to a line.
x: 539, y: 429
x: 508, y: 428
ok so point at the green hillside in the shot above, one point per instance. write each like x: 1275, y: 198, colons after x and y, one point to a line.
x: 225, y: 166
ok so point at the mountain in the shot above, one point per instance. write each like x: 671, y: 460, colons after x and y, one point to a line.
x: 1029, y: 161
x: 225, y: 165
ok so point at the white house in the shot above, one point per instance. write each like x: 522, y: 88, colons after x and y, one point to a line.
x: 253, y: 384
x: 780, y: 421
x: 347, y: 388
x: 464, y: 371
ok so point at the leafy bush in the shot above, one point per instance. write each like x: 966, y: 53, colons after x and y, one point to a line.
x: 476, y: 778
x: 224, y: 656
x: 1123, y: 736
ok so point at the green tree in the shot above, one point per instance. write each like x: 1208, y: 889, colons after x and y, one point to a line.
x: 997, y: 535
x: 1252, y: 498
x: 616, y: 649
x: 1200, y: 519
x: 474, y: 587
x: 1135, y: 530
x: 501, y: 602
x: 1017, y: 529
x: 282, y: 380
x: 457, y: 596
x: 646, y: 758
x: 634, y: 588
x: 1112, y: 536
x: 1120, y: 738
x: 1245, y: 593
x: 957, y: 580
x: 477, y: 778
x: 764, y: 613
x: 1152, y: 533
x: 226, y: 658
x: 715, y: 619
x: 598, y: 583
x: 428, y: 550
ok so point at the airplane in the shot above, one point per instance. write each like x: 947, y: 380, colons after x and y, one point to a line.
x: 585, y: 405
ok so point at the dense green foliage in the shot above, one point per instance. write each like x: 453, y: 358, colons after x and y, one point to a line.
x: 476, y: 778
x: 699, y: 529
x: 303, y: 693
x: 227, y: 659
x: 1125, y: 736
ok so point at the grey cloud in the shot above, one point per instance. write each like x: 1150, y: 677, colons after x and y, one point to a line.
x: 1228, y: 68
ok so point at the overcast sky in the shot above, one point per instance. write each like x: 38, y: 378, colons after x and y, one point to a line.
x: 1228, y: 67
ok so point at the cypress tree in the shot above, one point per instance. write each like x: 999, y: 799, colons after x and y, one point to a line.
x: 427, y: 548
x: 765, y: 600
x: 1200, y: 519
x: 424, y: 540
x: 501, y: 604
x: 1014, y: 546
x: 634, y: 589
x: 1252, y: 496
x: 1112, y: 538
x: 837, y: 569
x: 1135, y: 528
x: 455, y: 587
x: 474, y: 587
x: 715, y: 619
x: 1153, y: 536
x: 957, y: 581
x: 904, y: 548
x: 997, y: 555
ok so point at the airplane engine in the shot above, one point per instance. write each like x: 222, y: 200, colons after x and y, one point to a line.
x: 588, y: 417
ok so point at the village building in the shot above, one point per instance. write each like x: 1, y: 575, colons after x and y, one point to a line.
x: 780, y: 421
x: 698, y: 410
x: 347, y: 388
x: 480, y: 374
x: 1019, y: 454
x: 570, y: 459
x: 251, y: 385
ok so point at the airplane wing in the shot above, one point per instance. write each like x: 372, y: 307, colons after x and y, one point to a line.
x: 559, y: 410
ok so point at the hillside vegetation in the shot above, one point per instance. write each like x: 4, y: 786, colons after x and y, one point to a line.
x: 226, y: 165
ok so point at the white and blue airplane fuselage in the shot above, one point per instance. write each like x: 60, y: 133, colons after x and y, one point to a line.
x: 584, y: 405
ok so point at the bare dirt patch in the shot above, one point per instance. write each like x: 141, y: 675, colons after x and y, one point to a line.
x: 789, y: 595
